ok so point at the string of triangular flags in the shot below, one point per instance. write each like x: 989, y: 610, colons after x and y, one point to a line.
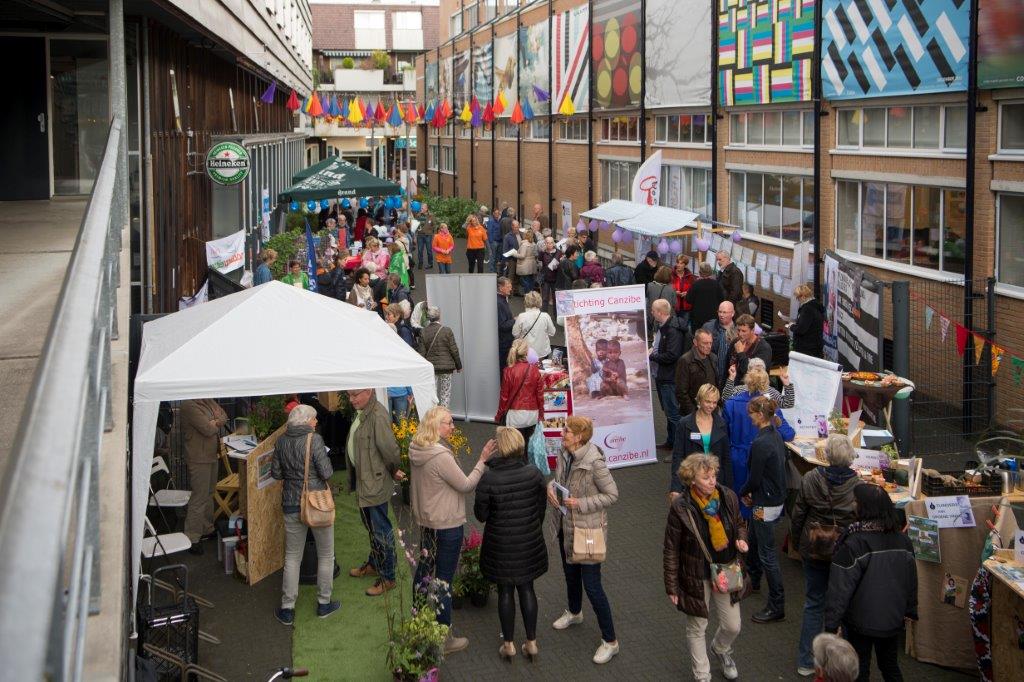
x: 962, y: 334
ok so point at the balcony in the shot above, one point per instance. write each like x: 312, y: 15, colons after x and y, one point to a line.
x: 371, y: 81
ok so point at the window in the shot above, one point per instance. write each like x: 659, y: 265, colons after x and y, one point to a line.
x: 681, y: 129
x: 536, y: 129
x: 490, y: 9
x: 433, y: 156
x: 469, y: 20
x: 464, y: 130
x: 507, y: 130
x: 1011, y: 127
x: 780, y: 206
x: 617, y: 179
x: 939, y: 128
x: 775, y: 128
x: 620, y: 129
x: 447, y: 159
x: 575, y: 129
x: 1010, y: 257
x: 455, y: 24
x: 916, y: 225
x: 369, y: 30
x: 685, y: 188
x: 407, y: 31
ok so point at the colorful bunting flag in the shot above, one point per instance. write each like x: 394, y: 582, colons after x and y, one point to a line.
x: 540, y: 94
x: 474, y: 105
x: 500, y: 104
x: 293, y: 102
x: 305, y: 104
x: 466, y: 116
x: 997, y: 357
x: 345, y: 109
x: 422, y: 112
x: 527, y: 110
x: 517, y: 113
x: 362, y: 109
x: 355, y: 112
x: 944, y: 325
x: 410, y: 113
x: 268, y: 95
x: 488, y: 115
x: 477, y: 117
x: 428, y: 115
x: 961, y: 339
x: 979, y: 348
x: 395, y: 116
x: 929, y: 313
x: 567, y: 108
x: 315, y: 108
x: 446, y: 110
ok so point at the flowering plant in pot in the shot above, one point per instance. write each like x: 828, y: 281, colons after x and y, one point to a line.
x: 470, y: 581
x: 416, y: 646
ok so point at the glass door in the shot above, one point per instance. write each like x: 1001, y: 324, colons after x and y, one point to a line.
x: 79, y: 101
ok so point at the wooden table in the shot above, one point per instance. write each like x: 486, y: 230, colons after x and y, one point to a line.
x: 1007, y: 622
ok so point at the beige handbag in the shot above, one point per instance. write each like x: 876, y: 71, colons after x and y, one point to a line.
x: 588, y: 545
x: 316, y: 507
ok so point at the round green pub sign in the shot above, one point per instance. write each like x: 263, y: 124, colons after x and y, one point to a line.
x: 227, y: 163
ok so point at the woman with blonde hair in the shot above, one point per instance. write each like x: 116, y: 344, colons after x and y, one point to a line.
x: 759, y: 384
x: 704, y: 526
x: 703, y: 431
x: 582, y: 471
x: 521, y: 403
x: 535, y: 326
x: 510, y: 503
x: 808, y: 327
x: 437, y: 493
x: 526, y: 261
x: 374, y: 253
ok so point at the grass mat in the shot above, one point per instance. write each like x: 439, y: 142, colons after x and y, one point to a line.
x: 349, y: 644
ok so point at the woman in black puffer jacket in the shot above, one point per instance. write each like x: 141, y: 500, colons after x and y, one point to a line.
x: 510, y: 501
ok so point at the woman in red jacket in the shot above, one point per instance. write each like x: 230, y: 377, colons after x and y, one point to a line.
x: 521, y: 404
x: 682, y: 280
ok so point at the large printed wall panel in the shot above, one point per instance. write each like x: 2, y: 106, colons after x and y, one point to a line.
x: 533, y: 67
x: 872, y: 48
x: 430, y: 80
x: 678, y: 51
x: 570, y: 55
x: 445, y: 85
x: 1001, y: 44
x: 460, y: 79
x: 505, y: 71
x: 615, y: 50
x: 482, y: 85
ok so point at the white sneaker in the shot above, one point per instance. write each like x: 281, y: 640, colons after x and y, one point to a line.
x: 567, y: 619
x: 605, y: 652
x: 729, y: 671
x: 804, y: 672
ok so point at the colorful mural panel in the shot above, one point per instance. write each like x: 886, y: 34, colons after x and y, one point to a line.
x: 430, y: 81
x: 615, y: 52
x: 445, y: 84
x: 505, y: 80
x: 570, y: 69
x: 896, y: 47
x: 482, y: 61
x: 533, y: 67
x: 764, y: 51
x: 460, y: 79
x: 1001, y: 52
x: 678, y: 51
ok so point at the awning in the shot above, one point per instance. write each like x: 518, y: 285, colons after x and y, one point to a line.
x: 333, y: 178
x: 652, y: 221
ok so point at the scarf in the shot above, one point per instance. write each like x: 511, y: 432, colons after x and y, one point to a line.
x: 710, y: 508
x: 363, y: 294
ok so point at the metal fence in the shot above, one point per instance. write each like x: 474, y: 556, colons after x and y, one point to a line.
x: 49, y: 502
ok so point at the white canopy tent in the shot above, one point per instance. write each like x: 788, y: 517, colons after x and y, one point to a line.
x: 649, y: 221
x: 268, y: 340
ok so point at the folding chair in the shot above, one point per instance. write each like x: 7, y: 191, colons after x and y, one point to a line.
x: 169, y: 497
x: 225, y: 493
x: 154, y: 545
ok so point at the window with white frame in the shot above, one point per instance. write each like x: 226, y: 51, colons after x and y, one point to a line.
x: 772, y: 204
x: 449, y: 128
x: 447, y: 158
x: 932, y: 127
x: 916, y: 225
x: 575, y: 129
x: 772, y: 128
x: 620, y: 129
x: 685, y: 188
x: 507, y: 130
x: 455, y: 24
x: 407, y: 30
x: 1011, y: 128
x: 617, y: 179
x: 464, y: 130
x: 682, y: 129
x: 470, y: 19
x: 369, y: 30
x: 433, y: 156
x: 1009, y: 237
x: 536, y: 129
x: 490, y: 10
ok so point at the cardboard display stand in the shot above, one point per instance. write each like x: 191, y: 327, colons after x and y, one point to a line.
x: 260, y: 505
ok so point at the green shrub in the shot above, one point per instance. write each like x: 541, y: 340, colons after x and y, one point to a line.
x: 288, y: 244
x: 348, y: 63
x: 451, y: 210
x: 380, y: 59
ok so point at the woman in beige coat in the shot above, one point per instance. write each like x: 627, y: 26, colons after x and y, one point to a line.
x: 582, y: 470
x: 526, y: 261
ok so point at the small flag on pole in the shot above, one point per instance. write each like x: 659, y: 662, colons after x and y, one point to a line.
x: 293, y: 102
x: 517, y: 114
x: 268, y: 95
x: 567, y: 108
x: 310, y: 258
x: 540, y: 94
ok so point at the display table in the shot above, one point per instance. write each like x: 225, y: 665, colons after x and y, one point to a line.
x: 260, y: 505
x: 943, y: 634
x: 1007, y: 621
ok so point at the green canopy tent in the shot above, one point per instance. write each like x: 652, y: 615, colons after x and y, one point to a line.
x: 334, y: 179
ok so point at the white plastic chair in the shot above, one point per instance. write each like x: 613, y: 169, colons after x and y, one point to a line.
x: 154, y: 545
x: 169, y: 497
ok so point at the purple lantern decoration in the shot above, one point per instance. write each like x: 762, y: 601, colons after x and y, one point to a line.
x: 531, y: 357
x: 676, y: 246
x: 593, y: 225
x: 663, y: 247
x: 581, y: 225
x: 737, y: 236
x: 702, y: 244
x: 617, y: 235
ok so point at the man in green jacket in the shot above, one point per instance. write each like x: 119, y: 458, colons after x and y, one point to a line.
x: 374, y: 460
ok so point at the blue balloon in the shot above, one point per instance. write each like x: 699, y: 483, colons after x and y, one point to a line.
x: 311, y: 205
x: 389, y: 202
x: 325, y: 204
x: 294, y: 206
x: 416, y: 206
x: 364, y: 203
x: 345, y: 203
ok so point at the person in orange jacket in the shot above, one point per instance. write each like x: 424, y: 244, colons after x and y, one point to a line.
x: 443, y: 245
x: 476, y: 242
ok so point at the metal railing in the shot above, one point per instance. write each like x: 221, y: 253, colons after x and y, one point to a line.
x: 49, y: 501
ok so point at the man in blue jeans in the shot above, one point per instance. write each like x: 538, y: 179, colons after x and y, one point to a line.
x: 669, y: 342
x: 371, y: 449
x: 493, y: 240
x: 425, y: 238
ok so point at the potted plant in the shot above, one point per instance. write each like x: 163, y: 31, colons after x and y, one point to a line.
x: 470, y: 581
x: 267, y: 415
x: 416, y: 647
x: 405, y: 431
x: 348, y: 63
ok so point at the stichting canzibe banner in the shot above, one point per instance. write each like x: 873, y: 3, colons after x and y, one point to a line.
x: 609, y: 370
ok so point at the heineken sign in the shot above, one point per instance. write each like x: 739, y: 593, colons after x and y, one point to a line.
x: 227, y: 163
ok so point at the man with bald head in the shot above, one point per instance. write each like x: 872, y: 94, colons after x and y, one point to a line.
x: 539, y: 217
x: 723, y: 335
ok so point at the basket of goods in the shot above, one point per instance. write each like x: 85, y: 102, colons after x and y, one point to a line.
x: 971, y: 483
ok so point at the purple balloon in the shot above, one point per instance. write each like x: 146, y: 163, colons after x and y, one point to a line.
x: 617, y: 236
x: 676, y: 246
x: 593, y: 225
x: 531, y: 357
x: 663, y: 247
x: 737, y: 236
x: 702, y: 244
x: 603, y: 225
x: 581, y: 225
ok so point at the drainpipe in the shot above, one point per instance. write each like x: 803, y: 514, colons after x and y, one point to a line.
x: 149, y: 234
x: 643, y: 84
x: 590, y: 113
x: 519, y: 128
x: 969, y: 188
x: 816, y: 96
x: 551, y: 126
x: 714, y: 116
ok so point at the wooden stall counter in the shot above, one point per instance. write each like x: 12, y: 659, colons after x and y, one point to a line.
x: 260, y: 506
x: 1007, y: 618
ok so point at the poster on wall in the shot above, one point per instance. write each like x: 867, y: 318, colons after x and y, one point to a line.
x: 430, y: 81
x: 857, y: 304
x: 460, y: 79
x: 570, y: 54
x: 678, y: 53
x: 226, y: 254
x: 482, y: 87
x: 1001, y: 52
x: 609, y: 371
x: 533, y: 68
x: 616, y: 53
x: 831, y: 294
x: 445, y: 84
x: 899, y: 47
x: 505, y: 81
x: 765, y: 51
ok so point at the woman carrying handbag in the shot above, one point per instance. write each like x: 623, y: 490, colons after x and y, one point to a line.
x: 521, y: 403
x: 300, y: 460
x: 584, y: 487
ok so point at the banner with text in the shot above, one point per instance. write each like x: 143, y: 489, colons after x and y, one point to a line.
x: 609, y: 370
x: 854, y: 306
x: 227, y: 253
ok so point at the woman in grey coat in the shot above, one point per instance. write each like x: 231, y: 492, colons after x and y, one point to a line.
x: 437, y: 344
x: 289, y: 465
